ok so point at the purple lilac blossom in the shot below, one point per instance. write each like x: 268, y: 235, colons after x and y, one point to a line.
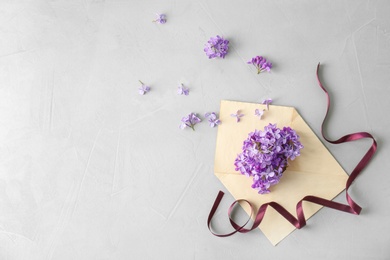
x: 212, y: 119
x: 190, y: 121
x: 143, y: 89
x: 237, y: 115
x: 259, y: 112
x: 265, y: 155
x: 216, y: 47
x: 267, y: 102
x: 261, y: 64
x: 181, y: 90
x: 161, y: 19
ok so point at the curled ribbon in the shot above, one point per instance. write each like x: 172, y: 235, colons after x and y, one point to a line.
x: 300, y: 221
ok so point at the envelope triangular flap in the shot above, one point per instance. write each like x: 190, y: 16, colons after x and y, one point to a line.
x: 315, y: 172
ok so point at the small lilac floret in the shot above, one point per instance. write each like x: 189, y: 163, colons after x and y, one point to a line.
x: 237, y: 115
x: 181, y: 90
x: 212, y: 119
x: 267, y: 102
x: 143, y: 89
x: 161, y: 19
x: 259, y: 112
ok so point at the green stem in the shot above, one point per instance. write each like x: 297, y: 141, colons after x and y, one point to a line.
x: 192, y: 126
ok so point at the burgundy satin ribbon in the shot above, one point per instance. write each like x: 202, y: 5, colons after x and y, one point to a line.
x: 300, y: 221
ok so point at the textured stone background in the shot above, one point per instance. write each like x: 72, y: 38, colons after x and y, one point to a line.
x: 89, y: 169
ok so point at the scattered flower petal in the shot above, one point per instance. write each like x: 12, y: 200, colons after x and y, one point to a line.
x: 267, y: 102
x: 212, y: 119
x: 216, y: 47
x: 190, y: 121
x: 259, y: 112
x: 237, y: 115
x: 181, y: 90
x: 161, y: 19
x: 261, y: 64
x: 143, y: 89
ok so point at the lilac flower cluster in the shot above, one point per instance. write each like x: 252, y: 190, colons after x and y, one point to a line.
x: 261, y: 64
x: 216, y: 47
x: 190, y: 121
x: 265, y: 153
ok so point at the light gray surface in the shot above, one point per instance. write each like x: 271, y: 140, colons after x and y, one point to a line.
x: 89, y: 169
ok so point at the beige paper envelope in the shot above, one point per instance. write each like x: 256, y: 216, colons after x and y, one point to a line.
x: 315, y: 172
